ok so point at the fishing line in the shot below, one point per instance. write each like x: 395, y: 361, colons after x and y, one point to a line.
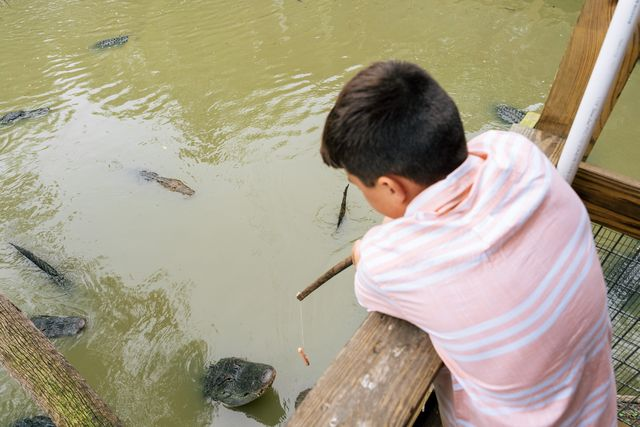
x: 301, y: 352
x: 301, y: 326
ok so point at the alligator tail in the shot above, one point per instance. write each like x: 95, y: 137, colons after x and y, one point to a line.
x: 42, y: 265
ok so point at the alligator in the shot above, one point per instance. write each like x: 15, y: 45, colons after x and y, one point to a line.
x: 59, y: 326
x: 235, y: 382
x: 115, y: 41
x: 301, y: 396
x: 37, y: 421
x: 15, y: 116
x: 58, y: 278
x: 343, y: 207
x: 510, y: 114
x: 169, y: 183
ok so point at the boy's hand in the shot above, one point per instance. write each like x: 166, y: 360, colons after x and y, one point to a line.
x: 355, y: 253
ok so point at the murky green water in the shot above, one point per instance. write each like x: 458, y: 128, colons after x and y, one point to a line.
x: 230, y: 97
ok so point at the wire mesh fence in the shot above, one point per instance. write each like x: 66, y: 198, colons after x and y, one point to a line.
x: 620, y: 259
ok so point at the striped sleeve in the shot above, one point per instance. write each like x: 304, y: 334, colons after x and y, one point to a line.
x: 369, y: 293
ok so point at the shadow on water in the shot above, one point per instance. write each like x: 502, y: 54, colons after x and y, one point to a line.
x: 266, y: 410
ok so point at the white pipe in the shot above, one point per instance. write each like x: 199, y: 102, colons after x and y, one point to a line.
x: 621, y: 28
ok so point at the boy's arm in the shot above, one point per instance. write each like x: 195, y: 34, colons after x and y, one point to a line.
x: 368, y: 290
x: 355, y: 249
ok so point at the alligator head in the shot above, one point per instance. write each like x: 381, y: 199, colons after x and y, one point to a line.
x: 236, y: 382
x: 59, y: 326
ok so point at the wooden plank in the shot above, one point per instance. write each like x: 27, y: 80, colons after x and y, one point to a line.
x: 612, y: 200
x: 53, y: 383
x: 550, y: 144
x: 575, y: 69
x: 381, y: 377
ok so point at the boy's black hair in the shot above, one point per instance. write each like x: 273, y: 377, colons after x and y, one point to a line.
x: 393, y: 118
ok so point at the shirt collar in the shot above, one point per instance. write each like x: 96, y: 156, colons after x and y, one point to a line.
x: 446, y: 194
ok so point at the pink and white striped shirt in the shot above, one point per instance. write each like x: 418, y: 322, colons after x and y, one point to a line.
x: 497, y: 263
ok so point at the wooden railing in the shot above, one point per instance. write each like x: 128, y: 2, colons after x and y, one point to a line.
x: 380, y: 378
x: 611, y: 199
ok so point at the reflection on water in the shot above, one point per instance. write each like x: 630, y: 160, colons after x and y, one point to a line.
x: 229, y: 97
x: 267, y: 410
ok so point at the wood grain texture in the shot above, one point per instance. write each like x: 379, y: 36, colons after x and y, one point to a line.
x: 575, y: 69
x: 53, y: 383
x: 612, y: 200
x: 380, y: 378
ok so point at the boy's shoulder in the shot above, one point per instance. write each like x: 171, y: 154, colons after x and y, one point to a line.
x: 509, y: 160
x: 509, y: 151
x: 392, y: 239
x: 501, y: 139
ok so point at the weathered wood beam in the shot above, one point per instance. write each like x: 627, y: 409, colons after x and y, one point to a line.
x: 575, y: 69
x: 381, y: 377
x: 612, y: 200
x: 41, y: 370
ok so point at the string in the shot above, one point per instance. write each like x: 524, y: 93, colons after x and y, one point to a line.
x: 301, y: 325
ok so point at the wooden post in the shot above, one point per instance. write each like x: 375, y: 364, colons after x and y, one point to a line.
x: 53, y: 383
x: 576, y: 67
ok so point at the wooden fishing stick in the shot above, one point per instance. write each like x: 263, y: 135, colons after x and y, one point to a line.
x: 345, y: 263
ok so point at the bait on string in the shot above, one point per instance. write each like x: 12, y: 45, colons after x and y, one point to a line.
x: 301, y: 352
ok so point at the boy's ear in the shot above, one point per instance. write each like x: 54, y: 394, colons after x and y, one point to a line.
x: 394, y: 186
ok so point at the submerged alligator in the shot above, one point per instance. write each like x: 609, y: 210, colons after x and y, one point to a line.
x: 169, y: 183
x: 301, y: 396
x: 15, y: 116
x: 59, y: 326
x: 115, y: 41
x: 510, y: 114
x: 37, y: 421
x: 58, y: 278
x: 236, y: 382
x: 343, y: 207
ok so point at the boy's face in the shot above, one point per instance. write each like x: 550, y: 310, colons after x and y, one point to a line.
x: 387, y: 196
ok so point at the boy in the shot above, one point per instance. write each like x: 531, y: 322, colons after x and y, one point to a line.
x: 484, y: 247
